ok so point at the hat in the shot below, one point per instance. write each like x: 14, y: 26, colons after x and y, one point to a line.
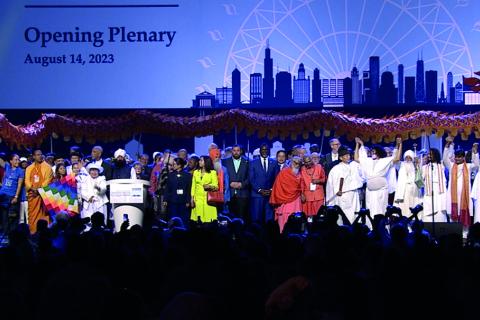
x: 23, y: 159
x: 343, y: 151
x: 94, y: 166
x: 408, y: 153
x: 155, y: 154
x: 119, y: 152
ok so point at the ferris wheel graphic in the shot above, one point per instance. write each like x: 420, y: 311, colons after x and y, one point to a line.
x: 337, y: 35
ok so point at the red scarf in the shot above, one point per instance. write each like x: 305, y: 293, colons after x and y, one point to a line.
x: 286, y: 187
x: 464, y: 216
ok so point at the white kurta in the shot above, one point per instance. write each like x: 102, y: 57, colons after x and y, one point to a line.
x: 448, y: 154
x: 475, y: 195
x: 439, y: 198
x: 392, y: 179
x: 407, y: 194
x: 87, y: 189
x: 375, y: 171
x: 349, y: 201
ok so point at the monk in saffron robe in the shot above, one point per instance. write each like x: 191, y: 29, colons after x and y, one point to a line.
x: 37, y: 175
x: 286, y: 193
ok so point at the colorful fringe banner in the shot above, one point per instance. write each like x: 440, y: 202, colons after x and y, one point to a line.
x: 267, y: 125
x: 61, y: 196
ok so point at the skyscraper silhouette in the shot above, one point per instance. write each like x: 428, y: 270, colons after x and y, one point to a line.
x: 374, y: 78
x: 410, y: 91
x: 356, y: 87
x: 283, y: 89
x: 332, y: 92
x: 268, y: 83
x: 400, y: 84
x: 236, y: 88
x: 301, y: 87
x: 458, y: 93
x: 442, y: 98
x: 420, y: 83
x: 367, y: 95
x: 316, y: 88
x: 450, y: 98
x: 387, y: 91
x: 256, y: 88
x: 224, y: 96
x: 431, y: 87
x: 347, y: 91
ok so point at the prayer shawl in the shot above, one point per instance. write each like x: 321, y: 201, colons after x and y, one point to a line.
x: 286, y: 188
x: 428, y: 179
x: 464, y: 215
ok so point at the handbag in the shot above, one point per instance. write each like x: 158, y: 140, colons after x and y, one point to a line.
x: 214, y: 198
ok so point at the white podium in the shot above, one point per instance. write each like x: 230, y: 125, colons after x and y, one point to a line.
x: 129, y: 200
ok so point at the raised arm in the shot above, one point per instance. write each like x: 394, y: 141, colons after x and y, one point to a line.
x: 448, y: 152
x: 475, y: 156
x: 398, y: 150
x: 358, y: 144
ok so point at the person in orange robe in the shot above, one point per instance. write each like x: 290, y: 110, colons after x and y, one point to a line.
x: 313, y: 176
x: 37, y: 175
x: 286, y: 192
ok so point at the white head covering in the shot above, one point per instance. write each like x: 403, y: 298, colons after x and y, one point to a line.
x: 119, y: 152
x: 23, y: 159
x: 409, y: 153
x: 155, y: 154
x: 95, y: 166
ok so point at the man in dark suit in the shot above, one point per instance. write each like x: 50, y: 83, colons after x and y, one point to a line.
x: 97, y: 152
x: 262, y: 173
x: 331, y: 158
x: 237, y: 169
x: 281, y: 159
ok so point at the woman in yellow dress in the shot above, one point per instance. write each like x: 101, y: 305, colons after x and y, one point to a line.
x: 204, y: 179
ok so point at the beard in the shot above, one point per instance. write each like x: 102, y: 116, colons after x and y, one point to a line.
x: 409, y: 167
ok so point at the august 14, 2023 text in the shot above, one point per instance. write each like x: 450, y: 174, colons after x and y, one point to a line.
x: 79, y: 59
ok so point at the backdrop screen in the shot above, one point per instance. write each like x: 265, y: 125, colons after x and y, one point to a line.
x: 160, y: 54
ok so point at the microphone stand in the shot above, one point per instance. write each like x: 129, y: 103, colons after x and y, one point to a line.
x: 433, y: 201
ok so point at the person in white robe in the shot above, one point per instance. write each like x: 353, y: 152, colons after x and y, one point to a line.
x: 435, y: 197
x: 392, y: 176
x: 376, y: 170
x: 343, y: 185
x: 93, y: 191
x: 475, y: 194
x: 407, y: 194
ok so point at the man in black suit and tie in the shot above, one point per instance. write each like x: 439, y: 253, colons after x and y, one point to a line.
x: 237, y: 169
x: 262, y: 173
x: 331, y: 159
x: 97, y: 152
